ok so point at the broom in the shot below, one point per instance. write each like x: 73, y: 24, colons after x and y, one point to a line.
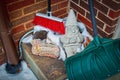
x: 48, y: 21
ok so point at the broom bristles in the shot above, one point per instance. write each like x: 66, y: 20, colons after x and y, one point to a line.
x: 50, y: 23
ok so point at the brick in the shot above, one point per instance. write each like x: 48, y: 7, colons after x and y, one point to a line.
x: 1, y: 47
x: 87, y: 42
x: 88, y: 15
x: 2, y: 61
x: 39, y: 0
x: 77, y: 8
x: 44, y: 11
x: 2, y: 58
x: 100, y: 7
x: 76, y: 1
x: 106, y: 19
x: 19, y: 5
x: 63, y: 15
x: 16, y: 43
x: 35, y: 7
x: 54, y: 8
x: 110, y: 29
x: 9, y: 1
x: 84, y: 20
x: 59, y: 5
x: 23, y: 19
x: 29, y: 25
x: 0, y: 43
x: 84, y: 5
x: 114, y: 14
x: 18, y: 35
x: 63, y: 4
x: 86, y: 0
x: 104, y: 34
x: 113, y: 5
x: 55, y: 1
x: 110, y: 35
x: 2, y: 55
x: 60, y: 12
x: 18, y: 29
x: 0, y: 50
x: 117, y: 1
x: 99, y: 0
x: 99, y: 23
x: 15, y: 14
x: 89, y: 30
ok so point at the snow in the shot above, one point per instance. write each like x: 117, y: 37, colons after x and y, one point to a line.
x: 25, y: 74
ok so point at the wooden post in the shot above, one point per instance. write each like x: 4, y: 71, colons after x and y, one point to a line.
x: 7, y: 41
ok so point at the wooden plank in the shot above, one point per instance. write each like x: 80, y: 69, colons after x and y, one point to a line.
x: 45, y: 68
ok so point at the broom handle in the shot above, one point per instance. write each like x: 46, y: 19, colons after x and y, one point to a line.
x: 49, y: 8
x: 92, y: 14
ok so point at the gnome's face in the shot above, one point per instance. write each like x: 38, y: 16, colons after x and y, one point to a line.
x: 72, y: 30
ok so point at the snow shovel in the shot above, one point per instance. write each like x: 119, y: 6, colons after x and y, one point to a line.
x: 98, y: 61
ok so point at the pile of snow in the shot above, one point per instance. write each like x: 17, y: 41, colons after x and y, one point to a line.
x: 25, y: 74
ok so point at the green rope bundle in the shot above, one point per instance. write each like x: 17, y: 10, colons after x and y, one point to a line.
x: 98, y: 61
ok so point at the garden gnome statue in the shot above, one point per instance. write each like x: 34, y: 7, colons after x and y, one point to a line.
x: 72, y: 39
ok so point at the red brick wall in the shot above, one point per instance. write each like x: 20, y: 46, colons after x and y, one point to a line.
x: 107, y: 14
x: 22, y: 12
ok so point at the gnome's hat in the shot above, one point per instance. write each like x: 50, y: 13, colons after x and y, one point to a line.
x: 71, y: 19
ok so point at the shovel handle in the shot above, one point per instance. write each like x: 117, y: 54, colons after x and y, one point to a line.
x: 92, y: 14
x: 49, y: 7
